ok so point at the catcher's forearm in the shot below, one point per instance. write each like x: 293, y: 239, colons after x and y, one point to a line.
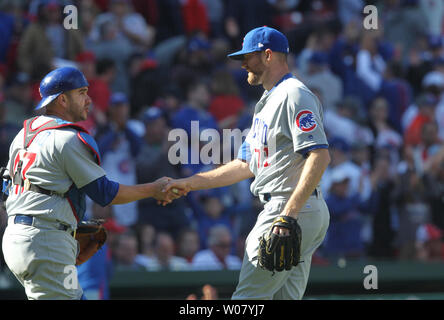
x: 225, y: 175
x: 133, y: 193
x: 311, y: 175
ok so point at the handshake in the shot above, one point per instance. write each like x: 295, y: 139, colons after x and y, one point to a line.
x: 168, y: 189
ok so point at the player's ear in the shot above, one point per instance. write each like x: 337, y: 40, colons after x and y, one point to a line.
x: 64, y: 99
x: 267, y: 55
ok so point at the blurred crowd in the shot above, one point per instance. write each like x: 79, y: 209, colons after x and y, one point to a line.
x: 157, y: 65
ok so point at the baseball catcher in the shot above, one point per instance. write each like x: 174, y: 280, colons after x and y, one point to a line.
x: 91, y: 236
x: 280, y: 252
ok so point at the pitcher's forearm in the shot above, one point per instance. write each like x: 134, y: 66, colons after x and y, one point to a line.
x: 225, y: 175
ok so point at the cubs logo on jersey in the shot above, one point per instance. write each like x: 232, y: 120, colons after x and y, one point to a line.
x: 305, y: 121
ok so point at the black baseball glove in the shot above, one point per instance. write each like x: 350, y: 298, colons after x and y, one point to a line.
x: 277, y: 252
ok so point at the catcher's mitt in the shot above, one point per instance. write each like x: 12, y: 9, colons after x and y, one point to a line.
x: 91, y: 236
x: 277, y: 252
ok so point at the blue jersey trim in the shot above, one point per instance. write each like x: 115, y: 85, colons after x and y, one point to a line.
x: 101, y: 190
x: 91, y: 144
x: 305, y: 151
x: 285, y: 77
x: 244, y: 152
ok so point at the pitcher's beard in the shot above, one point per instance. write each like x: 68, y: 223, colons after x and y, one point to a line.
x: 254, y: 79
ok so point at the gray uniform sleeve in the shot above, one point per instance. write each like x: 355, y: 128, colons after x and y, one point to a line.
x: 306, y: 121
x: 79, y: 163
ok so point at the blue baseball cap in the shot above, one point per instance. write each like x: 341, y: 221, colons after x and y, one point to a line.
x: 260, y: 39
x: 318, y: 58
x: 151, y: 114
x: 118, y: 98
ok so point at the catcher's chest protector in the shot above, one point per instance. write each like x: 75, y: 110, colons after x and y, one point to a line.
x: 74, y: 196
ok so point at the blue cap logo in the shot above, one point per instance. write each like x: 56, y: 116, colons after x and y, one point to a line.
x: 260, y: 39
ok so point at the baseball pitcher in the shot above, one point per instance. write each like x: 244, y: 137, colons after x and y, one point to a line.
x: 286, y: 151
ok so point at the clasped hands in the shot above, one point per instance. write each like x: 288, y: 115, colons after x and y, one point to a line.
x: 168, y: 189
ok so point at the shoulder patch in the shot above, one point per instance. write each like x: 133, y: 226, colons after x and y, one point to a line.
x: 91, y: 144
x: 305, y: 121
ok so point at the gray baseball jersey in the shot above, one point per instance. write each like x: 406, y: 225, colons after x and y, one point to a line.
x: 287, y: 123
x: 55, y: 160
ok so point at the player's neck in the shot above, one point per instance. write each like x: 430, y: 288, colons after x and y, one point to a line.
x: 274, y: 75
x: 56, y: 113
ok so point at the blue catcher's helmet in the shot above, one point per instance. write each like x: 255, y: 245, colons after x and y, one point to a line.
x: 58, y: 81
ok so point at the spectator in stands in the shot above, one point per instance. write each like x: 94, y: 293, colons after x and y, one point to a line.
x: 193, y: 60
x: 164, y: 258
x: 146, y: 237
x: 410, y: 198
x: 18, y: 99
x: 170, y: 23
x: 145, y: 73
x: 217, y: 256
x: 226, y: 105
x: 429, y: 243
x: 7, y: 26
x: 346, y: 122
x: 118, y: 49
x: 350, y: 10
x: 429, y: 146
x: 397, y: 92
x: 8, y: 131
x: 124, y: 253
x: 88, y: 10
x: 216, y: 15
x: 153, y: 162
x: 188, y: 244
x: 434, y: 184
x: 321, y: 41
x: 426, y: 113
x: 434, y: 13
x: 195, y: 17
x: 131, y: 26
x: 208, y: 293
x: 360, y: 156
x: 421, y: 60
x: 209, y: 211
x: 194, y: 113
x: 402, y: 23
x: 344, y: 234
x: 100, y: 90
x: 381, y: 237
x: 47, y: 39
x: 340, y: 159
x: 119, y: 146
x: 342, y: 59
x: 370, y: 65
x: 242, y: 16
x: 195, y: 109
x: 386, y: 137
x: 170, y: 100
x: 319, y: 75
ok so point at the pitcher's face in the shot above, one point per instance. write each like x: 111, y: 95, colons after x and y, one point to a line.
x: 255, y: 67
